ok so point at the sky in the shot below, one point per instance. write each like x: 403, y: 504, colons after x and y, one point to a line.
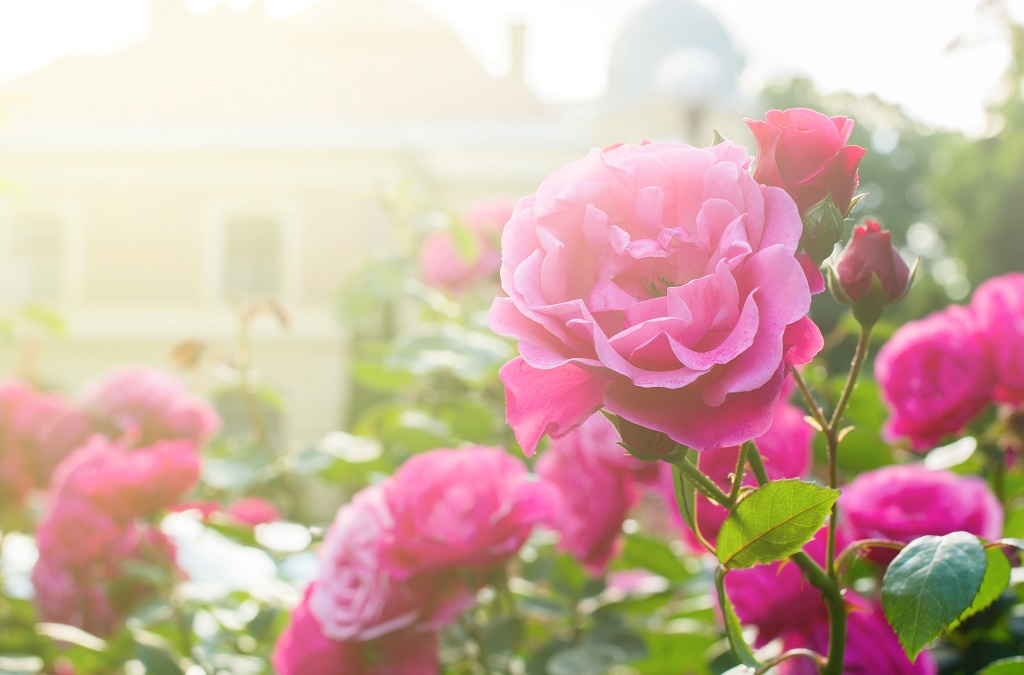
x: 897, y: 49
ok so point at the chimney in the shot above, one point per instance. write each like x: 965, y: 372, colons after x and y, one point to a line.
x: 517, y: 39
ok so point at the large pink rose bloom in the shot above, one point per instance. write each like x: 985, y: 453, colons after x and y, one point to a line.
x: 910, y: 501
x: 471, y: 507
x: 145, y: 405
x: 659, y: 282
x: 934, y: 376
x: 872, y: 647
x: 355, y: 598
x: 584, y: 463
x: 303, y: 649
x: 998, y: 306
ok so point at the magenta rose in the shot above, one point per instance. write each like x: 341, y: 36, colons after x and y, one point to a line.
x: 806, y: 153
x: 872, y: 647
x: 303, y: 649
x: 909, y: 501
x: 129, y: 483
x: 253, y: 511
x: 659, y: 282
x: 356, y: 598
x: 584, y: 463
x: 998, y: 307
x: 935, y: 376
x: 144, y: 406
x: 471, y: 507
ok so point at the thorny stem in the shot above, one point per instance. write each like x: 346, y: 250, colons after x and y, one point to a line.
x: 706, y: 486
x: 737, y: 478
x: 815, y: 409
x: 820, y: 579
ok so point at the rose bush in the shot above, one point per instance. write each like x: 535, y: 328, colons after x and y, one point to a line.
x: 638, y: 280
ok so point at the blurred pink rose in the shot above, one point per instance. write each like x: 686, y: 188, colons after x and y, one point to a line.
x: 72, y: 597
x: 806, y: 153
x: 442, y: 263
x: 998, y: 306
x: 144, y: 405
x: 580, y: 465
x: 872, y: 647
x: 935, y: 376
x: 129, y: 483
x: 61, y: 530
x: 776, y: 598
x: 303, y: 649
x: 37, y: 430
x: 638, y: 280
x: 905, y: 502
x: 356, y: 598
x: 471, y: 507
x: 253, y: 511
x: 785, y: 449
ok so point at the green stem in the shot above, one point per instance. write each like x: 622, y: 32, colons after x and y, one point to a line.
x: 812, y: 405
x: 818, y: 578
x: 706, y: 486
x: 737, y: 478
x: 818, y: 659
x: 851, y: 379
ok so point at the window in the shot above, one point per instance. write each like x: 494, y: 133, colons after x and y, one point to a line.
x: 33, y: 259
x: 252, y: 255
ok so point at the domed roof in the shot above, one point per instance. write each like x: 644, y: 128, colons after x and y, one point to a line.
x: 675, y: 49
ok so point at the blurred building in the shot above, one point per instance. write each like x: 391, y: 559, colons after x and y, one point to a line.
x: 234, y: 155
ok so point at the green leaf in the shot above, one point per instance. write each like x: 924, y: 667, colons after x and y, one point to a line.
x: 155, y: 654
x: 929, y: 584
x: 773, y: 522
x: 653, y: 555
x: 997, y: 576
x: 740, y: 649
x: 586, y: 660
x: 1011, y: 666
x: 686, y: 496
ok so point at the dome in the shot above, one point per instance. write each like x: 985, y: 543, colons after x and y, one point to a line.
x: 675, y: 50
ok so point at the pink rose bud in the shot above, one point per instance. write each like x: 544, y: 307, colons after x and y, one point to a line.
x: 805, y: 153
x: 871, y: 273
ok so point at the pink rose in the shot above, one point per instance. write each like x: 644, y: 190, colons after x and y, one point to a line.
x: 37, y: 430
x: 356, y: 598
x: 776, y: 598
x: 443, y: 264
x: 471, y: 507
x: 130, y: 483
x: 253, y: 511
x: 998, y: 307
x: 659, y: 282
x: 303, y: 649
x: 147, y: 405
x: 872, y: 647
x: 63, y: 595
x: 805, y: 153
x: 905, y: 502
x: 934, y: 375
x: 584, y: 463
x: 785, y: 449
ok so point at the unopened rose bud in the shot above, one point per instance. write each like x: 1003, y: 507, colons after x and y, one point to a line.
x: 823, y: 227
x: 641, y: 442
x: 870, y: 273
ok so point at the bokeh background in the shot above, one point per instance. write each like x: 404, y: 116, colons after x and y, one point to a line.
x: 203, y: 184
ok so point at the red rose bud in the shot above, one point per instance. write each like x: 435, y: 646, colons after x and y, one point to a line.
x: 870, y: 273
x: 805, y: 153
x: 641, y: 442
